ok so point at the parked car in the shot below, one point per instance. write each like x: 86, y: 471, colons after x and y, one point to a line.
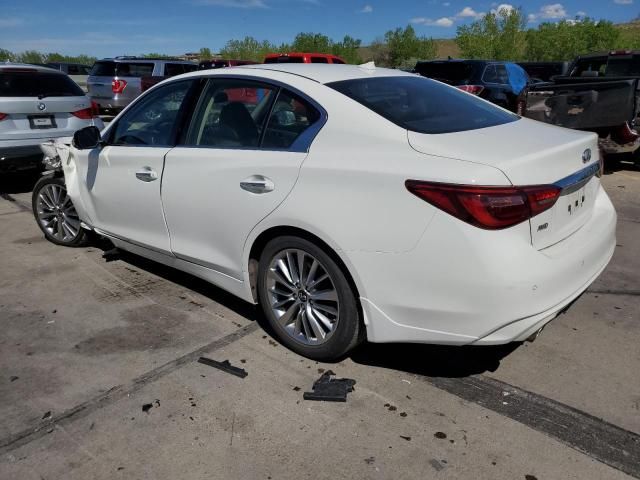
x: 501, y: 83
x: 36, y: 104
x: 349, y: 203
x: 302, y: 58
x: 544, y: 71
x: 207, y: 64
x: 601, y: 94
x: 114, y: 82
x: 78, y: 72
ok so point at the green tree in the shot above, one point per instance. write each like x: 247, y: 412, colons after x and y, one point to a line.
x: 348, y: 49
x: 404, y: 44
x: 205, y: 54
x: 6, y: 55
x: 30, y: 56
x: 496, y: 36
x: 312, y: 42
x: 247, y: 49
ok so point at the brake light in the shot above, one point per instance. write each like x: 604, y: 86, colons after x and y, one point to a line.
x: 95, y: 109
x: 626, y: 134
x: 87, y: 113
x: 117, y: 86
x: 3, y: 116
x: 474, y: 89
x: 490, y: 208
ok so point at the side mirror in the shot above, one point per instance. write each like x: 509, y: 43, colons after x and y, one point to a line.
x: 87, y: 138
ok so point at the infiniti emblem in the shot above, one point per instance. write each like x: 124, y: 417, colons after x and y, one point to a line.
x: 586, y: 156
x: 42, y: 106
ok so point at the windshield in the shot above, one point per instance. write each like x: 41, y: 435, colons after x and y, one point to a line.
x: 422, y: 105
x: 453, y: 73
x: 37, y: 84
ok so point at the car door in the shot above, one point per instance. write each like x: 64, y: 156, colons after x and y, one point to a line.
x: 120, y: 181
x: 239, y: 161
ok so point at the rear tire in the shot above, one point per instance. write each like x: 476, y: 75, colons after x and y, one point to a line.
x: 307, y: 299
x: 55, y: 214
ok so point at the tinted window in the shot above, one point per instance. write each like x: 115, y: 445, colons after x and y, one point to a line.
x: 104, y: 69
x: 595, y: 66
x: 422, y: 105
x: 231, y: 114
x: 623, y: 66
x: 37, y: 84
x: 173, y: 69
x: 284, y: 59
x: 319, y: 60
x: 501, y: 73
x: 337, y: 60
x: 134, y: 69
x: 290, y: 117
x: 76, y: 70
x: 151, y: 121
x: 453, y: 73
x: 490, y: 74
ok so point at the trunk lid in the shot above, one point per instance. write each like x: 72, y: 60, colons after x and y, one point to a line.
x: 531, y: 153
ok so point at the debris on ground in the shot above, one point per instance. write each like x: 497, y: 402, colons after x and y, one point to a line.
x: 224, y: 366
x: 436, y: 464
x: 330, y: 389
x: 111, y: 255
x: 408, y: 439
x: 46, y: 416
x: 440, y: 435
x: 13, y: 378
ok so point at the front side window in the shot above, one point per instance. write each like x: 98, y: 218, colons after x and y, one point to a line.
x: 152, y: 120
x: 290, y: 117
x: 423, y: 105
x: 231, y: 114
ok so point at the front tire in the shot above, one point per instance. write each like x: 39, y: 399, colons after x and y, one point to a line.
x: 307, y: 299
x: 55, y: 214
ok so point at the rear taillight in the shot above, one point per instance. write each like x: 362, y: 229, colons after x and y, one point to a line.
x: 117, y: 86
x: 3, y: 116
x: 474, y: 89
x: 490, y: 208
x: 625, y: 134
x: 87, y: 113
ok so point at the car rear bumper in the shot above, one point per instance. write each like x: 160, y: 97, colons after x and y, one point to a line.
x: 480, y: 287
x: 111, y: 104
x: 20, y: 158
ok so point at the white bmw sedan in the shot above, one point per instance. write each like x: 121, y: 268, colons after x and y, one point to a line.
x: 350, y: 203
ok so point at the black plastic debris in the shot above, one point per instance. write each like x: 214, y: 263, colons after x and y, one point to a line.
x: 46, y: 416
x: 146, y: 407
x: 13, y: 378
x: 224, y: 366
x: 111, y: 255
x: 330, y: 389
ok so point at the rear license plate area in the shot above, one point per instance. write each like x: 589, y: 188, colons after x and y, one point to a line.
x: 39, y: 122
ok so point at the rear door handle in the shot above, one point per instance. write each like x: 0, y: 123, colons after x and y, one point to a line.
x: 257, y: 184
x: 146, y: 174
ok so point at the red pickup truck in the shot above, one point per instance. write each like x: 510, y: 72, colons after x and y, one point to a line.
x: 302, y: 58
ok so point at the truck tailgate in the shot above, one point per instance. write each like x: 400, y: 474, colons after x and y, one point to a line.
x: 583, y: 103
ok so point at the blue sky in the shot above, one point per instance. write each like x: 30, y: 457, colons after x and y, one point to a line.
x: 115, y: 27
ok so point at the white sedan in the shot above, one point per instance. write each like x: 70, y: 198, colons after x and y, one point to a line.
x: 350, y: 202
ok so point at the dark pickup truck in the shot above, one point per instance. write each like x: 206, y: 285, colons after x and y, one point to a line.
x: 601, y: 94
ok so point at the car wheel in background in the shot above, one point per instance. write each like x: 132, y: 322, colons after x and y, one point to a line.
x: 307, y: 299
x: 55, y: 214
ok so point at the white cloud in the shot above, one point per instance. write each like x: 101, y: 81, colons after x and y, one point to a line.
x: 446, y: 4
x: 468, y: 12
x: 623, y: 2
x: 581, y: 14
x: 503, y: 6
x: 10, y: 22
x: 441, y: 22
x: 554, y: 11
x: 233, y: 3
x: 367, y: 9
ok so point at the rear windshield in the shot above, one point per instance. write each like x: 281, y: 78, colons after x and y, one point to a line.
x: 122, y: 69
x: 422, y: 105
x: 284, y: 59
x: 453, y: 73
x: 37, y: 84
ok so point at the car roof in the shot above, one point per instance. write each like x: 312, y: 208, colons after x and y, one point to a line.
x: 318, y: 72
x: 8, y: 66
x: 144, y: 59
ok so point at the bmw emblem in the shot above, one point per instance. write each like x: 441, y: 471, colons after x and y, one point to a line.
x: 586, y: 156
x: 42, y: 107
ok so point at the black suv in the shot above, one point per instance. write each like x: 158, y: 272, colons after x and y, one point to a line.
x: 499, y: 82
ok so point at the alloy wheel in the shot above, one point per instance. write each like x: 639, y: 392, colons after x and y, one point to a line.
x: 56, y: 213
x: 302, y: 296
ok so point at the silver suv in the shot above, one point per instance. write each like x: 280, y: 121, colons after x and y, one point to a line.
x: 114, y: 82
x: 36, y: 105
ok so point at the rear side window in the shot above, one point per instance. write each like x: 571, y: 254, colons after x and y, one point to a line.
x: 36, y: 84
x: 319, y: 60
x: 104, y: 69
x: 422, y: 105
x: 134, y: 69
x: 595, y: 66
x: 453, y: 73
x: 623, y: 66
x: 173, y: 69
x: 337, y: 60
x: 290, y: 117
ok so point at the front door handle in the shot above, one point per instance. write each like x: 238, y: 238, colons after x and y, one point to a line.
x: 257, y: 184
x: 146, y: 174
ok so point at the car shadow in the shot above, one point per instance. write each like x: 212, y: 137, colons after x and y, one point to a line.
x: 433, y: 360
x: 618, y: 162
x: 12, y: 183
